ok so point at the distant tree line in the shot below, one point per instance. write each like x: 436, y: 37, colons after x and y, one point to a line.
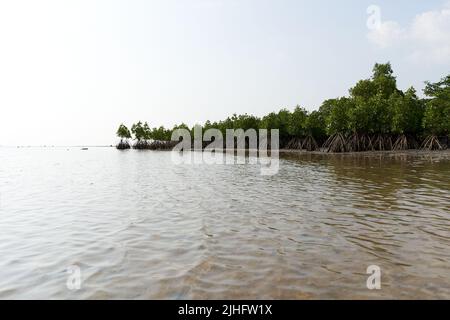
x: 376, y: 115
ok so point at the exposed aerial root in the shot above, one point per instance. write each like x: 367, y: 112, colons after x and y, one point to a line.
x: 123, y: 144
x: 388, y: 142
x: 401, y: 143
x: 378, y: 143
x: 310, y: 144
x: 358, y: 143
x: 335, y: 143
x: 382, y: 143
x: 162, y: 145
x: 432, y: 143
x: 295, y: 143
x: 141, y: 144
x: 366, y: 141
x: 353, y: 143
x: 155, y: 145
x: 405, y: 143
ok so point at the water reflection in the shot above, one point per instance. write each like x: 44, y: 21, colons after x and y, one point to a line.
x: 397, y: 206
x: 140, y: 227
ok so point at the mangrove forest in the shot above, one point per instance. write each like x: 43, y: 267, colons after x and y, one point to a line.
x: 375, y: 116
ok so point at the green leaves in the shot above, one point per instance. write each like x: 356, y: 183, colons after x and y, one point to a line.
x: 160, y: 134
x: 364, y: 89
x: 360, y: 117
x: 381, y: 108
x: 375, y: 106
x: 297, y: 123
x: 123, y: 132
x: 315, y: 125
x: 140, y: 131
x: 338, y: 115
x: 437, y: 117
x: 407, y: 113
x: 437, y: 112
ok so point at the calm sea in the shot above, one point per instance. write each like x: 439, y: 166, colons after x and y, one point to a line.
x: 134, y: 225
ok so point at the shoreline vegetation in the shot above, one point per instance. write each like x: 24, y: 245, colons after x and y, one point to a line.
x: 375, y: 116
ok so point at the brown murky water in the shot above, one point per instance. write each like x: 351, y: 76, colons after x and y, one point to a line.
x: 138, y: 226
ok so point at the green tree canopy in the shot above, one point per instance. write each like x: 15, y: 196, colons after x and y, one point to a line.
x: 297, y: 122
x: 147, y: 131
x: 381, y: 83
x: 375, y: 106
x: 337, y: 120
x: 407, y: 112
x: 246, y: 122
x: 383, y: 80
x: 437, y: 112
x: 138, y: 131
x: 381, y: 115
x: 364, y: 89
x: 315, y: 125
x: 279, y: 121
x: 372, y: 98
x: 180, y: 126
x: 123, y: 132
x: 161, y: 134
x: 360, y: 116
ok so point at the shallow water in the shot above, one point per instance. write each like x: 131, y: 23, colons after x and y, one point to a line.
x: 138, y: 226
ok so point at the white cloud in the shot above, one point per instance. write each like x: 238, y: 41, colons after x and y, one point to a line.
x: 387, y: 34
x: 426, y: 38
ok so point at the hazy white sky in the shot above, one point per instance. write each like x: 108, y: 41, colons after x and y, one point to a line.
x: 72, y: 71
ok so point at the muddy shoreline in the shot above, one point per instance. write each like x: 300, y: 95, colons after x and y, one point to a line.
x: 412, y: 152
x: 294, y: 152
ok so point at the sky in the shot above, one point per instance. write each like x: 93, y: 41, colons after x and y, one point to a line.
x: 71, y: 71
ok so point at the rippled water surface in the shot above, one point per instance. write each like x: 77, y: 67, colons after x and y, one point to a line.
x: 139, y: 226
